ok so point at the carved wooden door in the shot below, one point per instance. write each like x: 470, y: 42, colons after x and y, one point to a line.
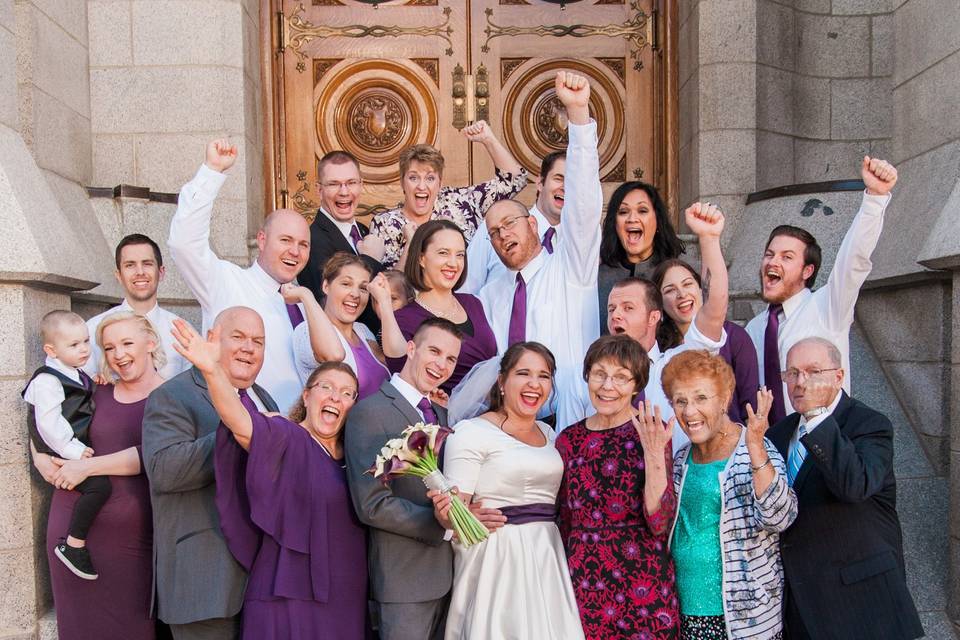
x: 375, y: 77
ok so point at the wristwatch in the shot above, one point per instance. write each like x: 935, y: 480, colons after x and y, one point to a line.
x: 816, y: 411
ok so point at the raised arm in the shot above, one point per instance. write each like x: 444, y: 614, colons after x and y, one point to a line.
x: 583, y: 196
x: 205, y: 356
x: 324, y: 341
x: 853, y: 263
x: 394, y: 344
x: 659, y: 501
x: 706, y: 220
x: 503, y: 160
x: 189, y: 240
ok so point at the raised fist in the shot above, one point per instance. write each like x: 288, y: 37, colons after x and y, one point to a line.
x: 704, y: 219
x: 574, y: 92
x: 479, y: 131
x: 220, y: 155
x: 379, y: 289
x: 292, y: 293
x: 878, y: 175
x: 372, y: 246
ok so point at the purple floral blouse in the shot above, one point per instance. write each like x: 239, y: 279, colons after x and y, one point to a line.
x: 465, y: 206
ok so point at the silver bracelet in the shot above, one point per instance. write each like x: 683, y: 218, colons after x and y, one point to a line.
x: 761, y: 467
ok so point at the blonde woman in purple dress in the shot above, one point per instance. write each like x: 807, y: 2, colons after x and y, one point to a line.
x: 117, y: 605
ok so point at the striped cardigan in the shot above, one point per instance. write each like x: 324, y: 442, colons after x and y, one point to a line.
x: 750, y: 538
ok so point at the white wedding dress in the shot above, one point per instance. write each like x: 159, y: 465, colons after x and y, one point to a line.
x: 515, y: 585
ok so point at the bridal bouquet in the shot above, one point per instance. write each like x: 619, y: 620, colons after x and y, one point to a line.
x: 414, y: 453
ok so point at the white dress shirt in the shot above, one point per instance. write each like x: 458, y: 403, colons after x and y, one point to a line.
x: 344, y: 227
x: 409, y: 393
x: 220, y: 284
x: 562, y: 286
x: 693, y: 339
x: 828, y: 311
x: 483, y: 263
x: 46, y: 395
x: 813, y: 423
x: 162, y: 321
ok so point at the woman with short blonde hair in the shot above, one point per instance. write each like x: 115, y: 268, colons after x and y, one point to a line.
x: 157, y: 355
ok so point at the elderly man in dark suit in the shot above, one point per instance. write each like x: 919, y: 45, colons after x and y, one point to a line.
x: 411, y: 567
x: 843, y: 556
x: 198, y: 586
x: 335, y: 227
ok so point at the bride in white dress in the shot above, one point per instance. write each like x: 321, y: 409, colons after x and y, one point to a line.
x: 514, y: 585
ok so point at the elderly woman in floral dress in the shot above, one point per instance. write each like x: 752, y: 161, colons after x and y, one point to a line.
x: 424, y: 197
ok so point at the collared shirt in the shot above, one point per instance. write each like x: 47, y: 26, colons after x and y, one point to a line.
x: 694, y: 339
x: 344, y: 227
x: 220, y: 284
x: 162, y: 321
x: 46, y: 395
x: 814, y: 422
x: 828, y: 311
x: 483, y: 263
x: 465, y: 206
x: 408, y: 391
x: 562, y: 286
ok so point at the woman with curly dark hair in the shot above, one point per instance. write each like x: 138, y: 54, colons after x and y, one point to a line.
x: 637, y: 235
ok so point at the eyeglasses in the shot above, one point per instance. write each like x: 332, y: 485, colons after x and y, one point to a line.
x: 328, y: 389
x: 792, y: 375
x: 680, y: 404
x: 600, y: 378
x: 337, y: 186
x: 506, y: 225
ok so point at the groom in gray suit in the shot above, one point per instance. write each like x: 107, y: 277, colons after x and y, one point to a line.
x: 410, y: 564
x: 198, y: 585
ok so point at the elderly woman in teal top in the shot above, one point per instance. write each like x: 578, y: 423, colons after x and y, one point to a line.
x: 732, y: 503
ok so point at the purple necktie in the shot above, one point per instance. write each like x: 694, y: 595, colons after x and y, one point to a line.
x: 548, y: 239
x: 86, y: 380
x: 296, y: 316
x: 247, y: 401
x: 429, y: 417
x: 355, y: 237
x: 771, y: 363
x: 517, y: 331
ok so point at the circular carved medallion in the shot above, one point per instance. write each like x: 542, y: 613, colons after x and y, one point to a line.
x: 374, y: 109
x: 535, y: 122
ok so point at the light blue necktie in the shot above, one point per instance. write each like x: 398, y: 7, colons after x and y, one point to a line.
x: 796, y: 457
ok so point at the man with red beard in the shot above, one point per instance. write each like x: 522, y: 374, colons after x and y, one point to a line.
x: 788, y: 271
x: 284, y: 245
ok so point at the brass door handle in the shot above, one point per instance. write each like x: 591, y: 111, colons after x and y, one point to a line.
x: 471, y: 96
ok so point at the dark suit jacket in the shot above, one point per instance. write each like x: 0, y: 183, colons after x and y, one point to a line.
x: 407, y: 556
x: 843, y: 556
x: 195, y: 576
x: 326, y: 240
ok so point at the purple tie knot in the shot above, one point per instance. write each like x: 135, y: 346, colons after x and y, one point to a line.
x: 355, y: 237
x: 429, y: 416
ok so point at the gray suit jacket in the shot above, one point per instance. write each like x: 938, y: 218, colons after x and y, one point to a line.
x: 195, y: 577
x: 407, y: 556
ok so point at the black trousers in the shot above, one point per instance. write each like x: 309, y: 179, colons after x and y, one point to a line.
x: 94, y: 493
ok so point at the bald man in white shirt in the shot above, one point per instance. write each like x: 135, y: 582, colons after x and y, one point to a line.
x: 284, y: 245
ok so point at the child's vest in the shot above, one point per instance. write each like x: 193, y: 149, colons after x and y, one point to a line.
x: 77, y: 408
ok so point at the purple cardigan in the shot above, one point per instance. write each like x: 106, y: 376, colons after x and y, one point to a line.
x: 741, y: 355
x: 482, y: 345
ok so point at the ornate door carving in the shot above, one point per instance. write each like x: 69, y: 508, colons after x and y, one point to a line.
x: 375, y: 77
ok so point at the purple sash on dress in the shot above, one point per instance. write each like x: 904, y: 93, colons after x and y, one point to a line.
x: 525, y: 513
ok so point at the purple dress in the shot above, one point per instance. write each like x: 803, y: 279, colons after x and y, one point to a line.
x: 479, y: 343
x: 370, y: 372
x: 741, y: 355
x: 117, y: 605
x: 292, y: 525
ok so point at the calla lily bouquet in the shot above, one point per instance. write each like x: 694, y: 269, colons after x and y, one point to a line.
x: 416, y: 453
